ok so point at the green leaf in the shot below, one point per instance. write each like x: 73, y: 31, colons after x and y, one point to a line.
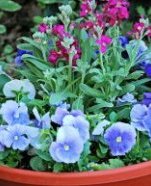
x: 10, y: 6
x: 44, y: 155
x: 90, y: 91
x: 116, y: 163
x: 52, y: 1
x: 2, y: 29
x: 4, y: 155
x: 38, y: 164
x: 58, y: 167
x: 3, y: 79
x: 8, y: 49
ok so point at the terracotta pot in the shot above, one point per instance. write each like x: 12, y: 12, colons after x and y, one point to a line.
x: 128, y: 176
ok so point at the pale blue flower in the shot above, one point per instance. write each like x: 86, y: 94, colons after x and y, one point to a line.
x: 15, y: 138
x: 137, y: 115
x: 68, y: 146
x: 80, y: 123
x: 127, y: 98
x: 24, y: 86
x: 60, y: 113
x: 41, y: 122
x: 15, y: 113
x: 123, y: 41
x: 120, y: 138
x: 99, y: 129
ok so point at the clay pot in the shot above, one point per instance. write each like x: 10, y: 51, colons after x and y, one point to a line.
x: 135, y: 175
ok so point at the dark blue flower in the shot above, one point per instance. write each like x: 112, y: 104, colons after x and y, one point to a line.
x: 123, y: 41
x: 20, y: 53
x: 147, y: 99
x: 148, y: 70
x: 121, y: 138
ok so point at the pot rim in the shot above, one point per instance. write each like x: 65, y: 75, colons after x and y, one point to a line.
x: 75, y: 178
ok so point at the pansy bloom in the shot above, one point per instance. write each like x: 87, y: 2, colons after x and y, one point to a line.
x: 68, y: 146
x: 15, y: 113
x: 24, y: 86
x: 120, y: 138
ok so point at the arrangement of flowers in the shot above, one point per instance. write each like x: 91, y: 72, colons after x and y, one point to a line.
x: 80, y: 97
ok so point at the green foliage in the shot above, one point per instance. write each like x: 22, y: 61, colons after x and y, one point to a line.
x: 38, y: 164
x: 8, y: 5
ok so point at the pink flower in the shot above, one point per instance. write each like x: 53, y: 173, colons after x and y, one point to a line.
x: 103, y: 42
x: 58, y: 30
x: 123, y: 13
x: 43, y: 28
x: 85, y: 8
x: 149, y: 31
x: 53, y: 56
x: 138, y: 27
x: 87, y: 25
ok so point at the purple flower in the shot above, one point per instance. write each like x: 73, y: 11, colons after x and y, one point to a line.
x: 148, y: 70
x: 147, y: 99
x: 15, y: 113
x: 147, y: 122
x: 24, y: 86
x: 80, y: 123
x: 123, y: 41
x: 41, y: 122
x: 15, y: 138
x: 68, y: 146
x: 60, y: 113
x: 121, y: 138
x: 20, y: 53
x: 43, y: 28
x: 127, y: 98
x: 137, y: 115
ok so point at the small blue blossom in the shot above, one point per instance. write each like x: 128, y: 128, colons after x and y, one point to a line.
x: 2, y: 135
x: 99, y: 129
x: 137, y: 115
x: 23, y: 86
x: 127, y: 98
x: 15, y: 138
x: 121, y: 138
x: 15, y: 113
x: 60, y: 113
x: 123, y: 41
x: 147, y: 122
x: 143, y: 57
x: 68, y: 146
x: 41, y: 122
x: 80, y: 123
x: 147, y: 99
x: 18, y: 58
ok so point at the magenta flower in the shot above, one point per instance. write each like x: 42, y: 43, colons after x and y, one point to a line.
x: 43, y: 28
x: 53, y: 56
x: 138, y: 27
x: 85, y: 8
x: 103, y: 42
x: 58, y: 30
x: 149, y: 31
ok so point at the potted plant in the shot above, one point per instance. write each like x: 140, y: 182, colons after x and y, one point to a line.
x: 77, y: 109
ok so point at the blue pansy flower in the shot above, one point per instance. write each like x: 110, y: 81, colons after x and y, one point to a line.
x: 24, y: 86
x: 15, y: 113
x: 137, y: 115
x: 143, y: 57
x: 20, y: 53
x: 147, y: 99
x: 123, y: 41
x: 68, y: 146
x: 15, y: 138
x: 80, y: 123
x: 2, y: 135
x: 127, y: 98
x: 120, y: 138
x: 41, y: 122
x: 99, y: 129
x: 60, y: 113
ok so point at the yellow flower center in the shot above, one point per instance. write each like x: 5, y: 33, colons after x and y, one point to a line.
x: 66, y: 147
